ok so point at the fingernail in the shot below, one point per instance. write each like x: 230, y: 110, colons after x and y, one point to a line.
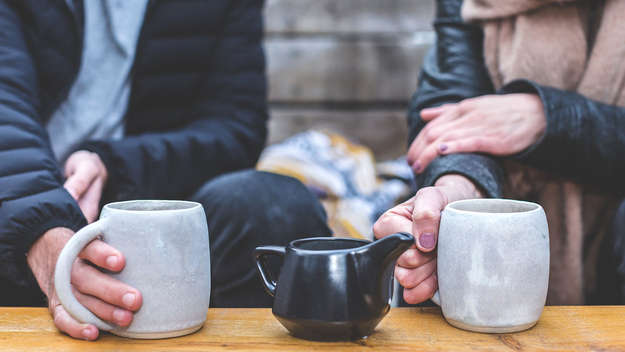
x: 129, y: 299
x: 111, y: 261
x: 87, y: 333
x: 442, y: 147
x: 426, y: 240
x: 416, y: 166
x: 118, y: 315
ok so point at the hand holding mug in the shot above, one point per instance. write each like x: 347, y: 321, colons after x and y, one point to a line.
x: 167, y: 258
x: 108, y: 298
x: 493, y: 267
x: 420, y: 216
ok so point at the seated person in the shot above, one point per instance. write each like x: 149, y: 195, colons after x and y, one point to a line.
x: 109, y: 100
x: 525, y: 100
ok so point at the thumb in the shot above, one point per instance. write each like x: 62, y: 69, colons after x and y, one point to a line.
x: 78, y: 183
x: 426, y: 215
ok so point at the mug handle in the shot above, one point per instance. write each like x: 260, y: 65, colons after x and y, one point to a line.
x: 436, y: 298
x: 63, y: 272
x: 261, y: 265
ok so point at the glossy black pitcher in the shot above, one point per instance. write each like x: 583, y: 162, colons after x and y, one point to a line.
x: 333, y: 288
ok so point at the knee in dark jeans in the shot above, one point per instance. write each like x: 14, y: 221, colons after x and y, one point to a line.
x: 247, y: 209
x: 275, y: 205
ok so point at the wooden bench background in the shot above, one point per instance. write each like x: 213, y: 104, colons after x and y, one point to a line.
x: 348, y: 66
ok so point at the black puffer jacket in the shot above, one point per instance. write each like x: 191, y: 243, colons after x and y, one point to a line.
x: 584, y: 140
x: 197, y: 109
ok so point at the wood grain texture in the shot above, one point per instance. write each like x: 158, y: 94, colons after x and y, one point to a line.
x: 305, y: 70
x: 404, y: 329
x: 354, y: 53
x: 348, y: 16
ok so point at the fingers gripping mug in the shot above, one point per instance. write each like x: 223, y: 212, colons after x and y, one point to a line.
x: 166, y: 247
x: 492, y: 264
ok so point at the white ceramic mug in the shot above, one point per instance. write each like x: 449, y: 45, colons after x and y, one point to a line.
x: 492, y: 264
x: 165, y: 244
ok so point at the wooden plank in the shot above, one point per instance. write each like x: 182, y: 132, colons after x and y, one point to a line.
x: 384, y: 131
x: 348, y: 16
x: 590, y: 328
x: 329, y: 69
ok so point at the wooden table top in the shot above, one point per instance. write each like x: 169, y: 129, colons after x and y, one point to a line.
x: 404, y: 329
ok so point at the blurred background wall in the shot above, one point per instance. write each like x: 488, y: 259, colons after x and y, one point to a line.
x: 349, y: 66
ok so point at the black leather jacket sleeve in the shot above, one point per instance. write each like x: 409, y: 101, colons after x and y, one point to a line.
x: 32, y: 197
x: 584, y: 139
x: 454, y: 70
x: 229, y: 124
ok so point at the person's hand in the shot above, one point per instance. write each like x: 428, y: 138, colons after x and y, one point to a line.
x: 108, y: 298
x: 420, y: 216
x: 492, y: 124
x: 86, y: 176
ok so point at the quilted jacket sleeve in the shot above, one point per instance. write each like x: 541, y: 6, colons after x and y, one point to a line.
x: 228, y: 132
x: 32, y: 198
x: 454, y: 70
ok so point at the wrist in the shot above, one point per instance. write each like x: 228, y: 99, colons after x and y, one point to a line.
x: 463, y: 187
x: 42, y: 256
x: 103, y: 171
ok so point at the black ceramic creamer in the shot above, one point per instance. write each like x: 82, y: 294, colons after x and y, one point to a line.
x: 333, y: 288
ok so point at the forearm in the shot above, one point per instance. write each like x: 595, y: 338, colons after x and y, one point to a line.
x: 23, y: 221
x: 32, y: 198
x: 464, y: 188
x: 584, y: 139
x: 453, y: 71
x: 483, y: 171
x: 454, y: 68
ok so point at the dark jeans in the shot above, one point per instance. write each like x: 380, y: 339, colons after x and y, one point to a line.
x: 611, y: 266
x: 248, y: 209
x: 244, y: 210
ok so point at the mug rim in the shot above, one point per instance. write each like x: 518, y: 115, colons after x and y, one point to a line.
x: 452, y: 207
x: 121, y: 206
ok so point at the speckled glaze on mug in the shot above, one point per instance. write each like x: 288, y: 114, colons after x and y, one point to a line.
x: 492, y: 264
x: 165, y: 244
